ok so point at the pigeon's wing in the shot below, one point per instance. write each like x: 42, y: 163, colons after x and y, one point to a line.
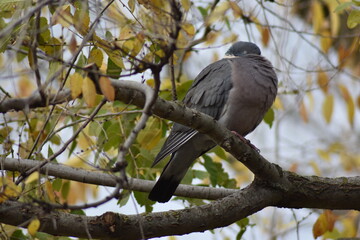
x: 208, y: 94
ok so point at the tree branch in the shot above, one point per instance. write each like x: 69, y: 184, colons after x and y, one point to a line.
x: 105, y: 179
x: 311, y: 192
x: 118, y: 226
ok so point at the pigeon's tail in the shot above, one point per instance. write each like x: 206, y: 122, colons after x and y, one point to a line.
x: 177, y: 167
x: 164, y: 189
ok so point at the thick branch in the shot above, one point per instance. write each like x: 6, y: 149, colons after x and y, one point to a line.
x: 34, y: 101
x: 117, y: 226
x: 311, y: 192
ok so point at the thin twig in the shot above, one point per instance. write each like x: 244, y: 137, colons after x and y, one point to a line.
x: 173, y: 84
x: 62, y: 149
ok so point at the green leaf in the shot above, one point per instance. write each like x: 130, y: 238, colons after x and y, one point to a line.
x: 203, y: 11
x: 200, y: 174
x: 243, y: 222
x: 72, y: 147
x: 212, y: 169
x: 108, y: 36
x: 353, y: 19
x: 356, y: 2
x: 220, y: 152
x: 113, y: 70
x: 18, y: 235
x: 9, y: 6
x: 53, y: 48
x: 65, y: 189
x: 50, y: 151
x: 142, y: 199
x: 94, y: 128
x: 96, y: 56
x: 54, y: 67
x: 269, y: 117
x: 125, y: 196
x: 343, y: 6
x: 56, y: 139
x: 82, y: 61
x: 114, y: 136
x: 56, y: 184
x: 45, y: 35
x: 78, y: 212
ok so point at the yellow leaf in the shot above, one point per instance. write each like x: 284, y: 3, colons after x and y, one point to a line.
x: 33, y: 226
x: 115, y: 13
x: 78, y: 161
x: 81, y: 20
x: 323, y: 80
x: 328, y: 107
x: 128, y: 45
x: 237, y: 11
x: 26, y: 87
x: 189, y: 29
x: 107, y: 89
x: 353, y: 18
x: 76, y: 84
x: 324, y: 154
x: 126, y: 33
x: 347, y: 161
x: 50, y: 191
x: 138, y: 44
x: 317, y: 16
x: 160, y: 53
x: 33, y: 177
x: 131, y: 4
x: 151, y: 82
x: 218, y: 13
x: 350, y: 228
x: 116, y: 57
x: 311, y: 100
x: 73, y: 44
x: 324, y: 223
x: 316, y: 168
x: 85, y: 142
x: 334, y: 18
x: 96, y: 56
x: 325, y: 41
x: 63, y: 16
x: 9, y: 189
x: 182, y: 39
x: 151, y: 135
x: 89, y: 92
x: 265, y: 35
x: 278, y: 104
x: 230, y: 39
x: 358, y: 101
x: 349, y: 103
x: 211, y: 38
x: 186, y: 4
x: 303, y: 112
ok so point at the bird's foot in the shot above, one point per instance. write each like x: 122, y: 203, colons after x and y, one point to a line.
x: 246, y: 141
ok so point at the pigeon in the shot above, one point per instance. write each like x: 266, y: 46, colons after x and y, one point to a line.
x: 237, y: 91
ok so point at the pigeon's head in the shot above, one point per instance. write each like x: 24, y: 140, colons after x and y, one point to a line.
x: 243, y: 48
